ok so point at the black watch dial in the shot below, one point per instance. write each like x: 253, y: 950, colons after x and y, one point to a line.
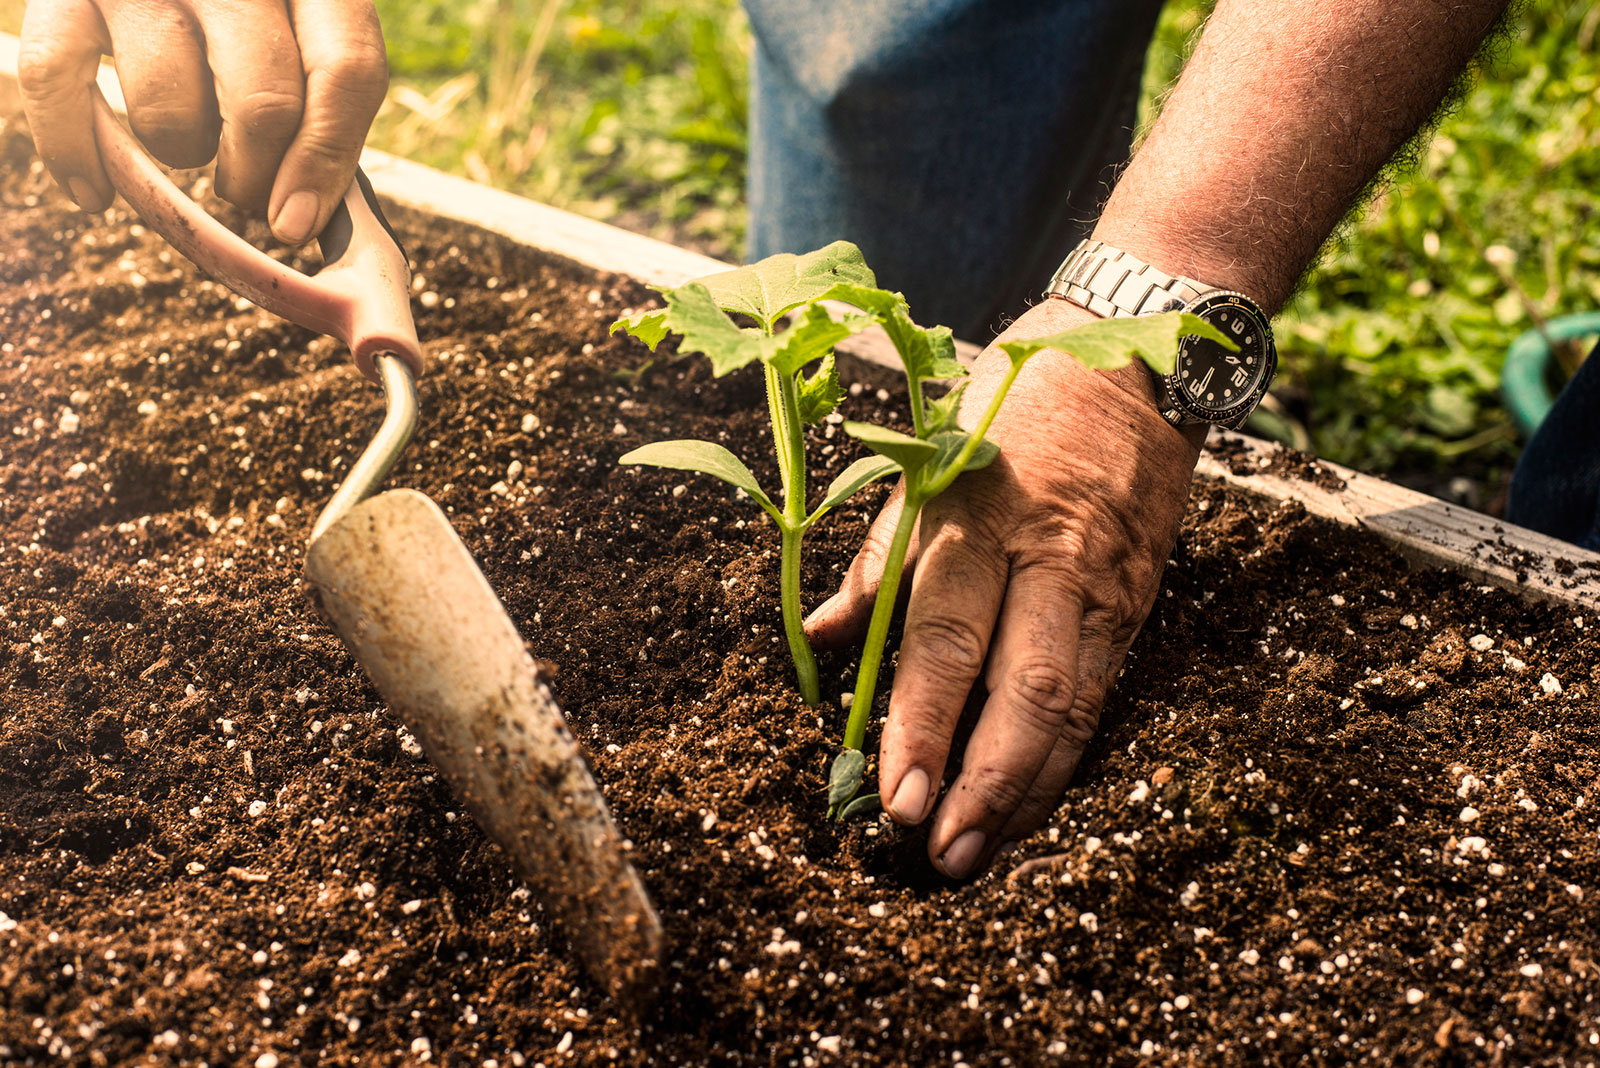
x: 1216, y: 384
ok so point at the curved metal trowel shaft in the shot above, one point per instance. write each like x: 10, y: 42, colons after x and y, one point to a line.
x: 374, y: 464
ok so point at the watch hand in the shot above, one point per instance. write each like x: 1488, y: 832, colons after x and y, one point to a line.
x: 1206, y: 380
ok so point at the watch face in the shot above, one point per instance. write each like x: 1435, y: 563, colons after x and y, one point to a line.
x: 1214, y: 382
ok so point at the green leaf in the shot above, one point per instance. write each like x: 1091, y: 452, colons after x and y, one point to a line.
x: 648, y: 326
x: 821, y: 393
x: 926, y: 352
x: 908, y: 452
x: 769, y: 288
x: 849, y: 768
x: 864, y: 805
x: 813, y: 337
x: 949, y: 444
x: 693, y: 313
x: 866, y: 470
x: 943, y: 413
x: 1107, y: 344
x: 705, y: 457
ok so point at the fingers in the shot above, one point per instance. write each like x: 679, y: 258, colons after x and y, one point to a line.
x: 1046, y: 792
x: 955, y: 599
x: 346, y: 75
x: 842, y: 618
x: 171, y: 107
x: 1033, y: 690
x: 62, y: 41
x: 260, y: 90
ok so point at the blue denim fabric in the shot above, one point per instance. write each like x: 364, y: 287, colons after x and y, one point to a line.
x: 965, y: 145
x: 1556, y: 486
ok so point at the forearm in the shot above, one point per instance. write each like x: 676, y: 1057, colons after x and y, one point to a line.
x: 1285, y: 113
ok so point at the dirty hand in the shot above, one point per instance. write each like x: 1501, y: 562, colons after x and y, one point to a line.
x: 1036, y: 573
x: 280, y: 91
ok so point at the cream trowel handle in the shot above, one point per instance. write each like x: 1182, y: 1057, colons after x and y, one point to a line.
x: 361, y: 295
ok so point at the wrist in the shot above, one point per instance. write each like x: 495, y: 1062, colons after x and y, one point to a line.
x: 1136, y: 382
x: 1183, y: 252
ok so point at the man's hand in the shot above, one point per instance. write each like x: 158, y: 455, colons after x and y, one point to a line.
x: 280, y: 93
x: 1035, y: 573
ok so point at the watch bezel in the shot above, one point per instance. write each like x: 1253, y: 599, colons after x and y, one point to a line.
x: 1178, y: 399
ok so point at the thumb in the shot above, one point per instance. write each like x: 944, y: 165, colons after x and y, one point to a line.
x: 347, y: 73
x: 843, y: 618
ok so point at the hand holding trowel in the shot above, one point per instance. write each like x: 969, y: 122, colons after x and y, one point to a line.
x: 404, y: 593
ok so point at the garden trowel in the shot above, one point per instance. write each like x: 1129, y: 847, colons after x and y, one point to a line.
x: 405, y: 594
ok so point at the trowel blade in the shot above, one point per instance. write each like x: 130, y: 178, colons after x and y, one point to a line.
x: 413, y: 607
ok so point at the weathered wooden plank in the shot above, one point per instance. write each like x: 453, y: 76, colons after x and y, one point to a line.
x: 1423, y: 528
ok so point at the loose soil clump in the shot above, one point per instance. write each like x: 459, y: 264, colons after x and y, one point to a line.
x: 1338, y: 811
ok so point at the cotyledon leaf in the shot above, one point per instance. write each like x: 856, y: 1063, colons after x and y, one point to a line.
x: 844, y: 779
x: 706, y: 457
x: 865, y: 805
x: 865, y: 470
x: 909, y: 452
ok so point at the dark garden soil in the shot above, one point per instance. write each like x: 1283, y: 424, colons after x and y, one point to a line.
x: 1338, y: 812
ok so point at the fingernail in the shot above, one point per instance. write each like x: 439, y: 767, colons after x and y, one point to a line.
x: 82, y: 193
x: 910, y: 797
x: 820, y: 611
x: 296, y: 218
x: 962, y: 856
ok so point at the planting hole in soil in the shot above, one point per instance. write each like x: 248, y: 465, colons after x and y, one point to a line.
x: 1337, y: 809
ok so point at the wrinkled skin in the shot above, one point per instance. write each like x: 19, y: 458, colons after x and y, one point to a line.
x: 1033, y: 575
x: 281, y: 94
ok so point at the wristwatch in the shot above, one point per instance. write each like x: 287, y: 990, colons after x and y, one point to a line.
x: 1208, y: 384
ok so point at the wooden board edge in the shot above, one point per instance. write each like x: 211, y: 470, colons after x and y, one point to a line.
x: 1424, y: 529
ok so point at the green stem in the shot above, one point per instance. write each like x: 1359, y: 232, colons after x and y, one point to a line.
x: 855, y: 731
x: 805, y: 663
x: 787, y: 433
x: 919, y: 418
x: 780, y: 433
x: 975, y: 439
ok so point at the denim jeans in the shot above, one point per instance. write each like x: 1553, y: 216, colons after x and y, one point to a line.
x: 1556, y: 486
x: 965, y: 145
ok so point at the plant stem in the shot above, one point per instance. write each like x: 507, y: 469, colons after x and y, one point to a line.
x: 855, y: 730
x: 780, y: 433
x: 784, y: 401
x: 805, y: 663
x: 964, y: 457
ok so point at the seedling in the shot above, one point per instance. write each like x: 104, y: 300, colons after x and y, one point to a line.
x: 940, y: 451
x: 929, y: 459
x: 702, y: 312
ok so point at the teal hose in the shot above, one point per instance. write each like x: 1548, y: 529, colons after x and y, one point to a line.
x: 1523, y: 382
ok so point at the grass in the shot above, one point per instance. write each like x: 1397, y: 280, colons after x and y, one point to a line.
x: 634, y: 111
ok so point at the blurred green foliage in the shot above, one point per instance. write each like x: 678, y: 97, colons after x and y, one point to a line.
x: 627, y: 110
x: 634, y: 111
